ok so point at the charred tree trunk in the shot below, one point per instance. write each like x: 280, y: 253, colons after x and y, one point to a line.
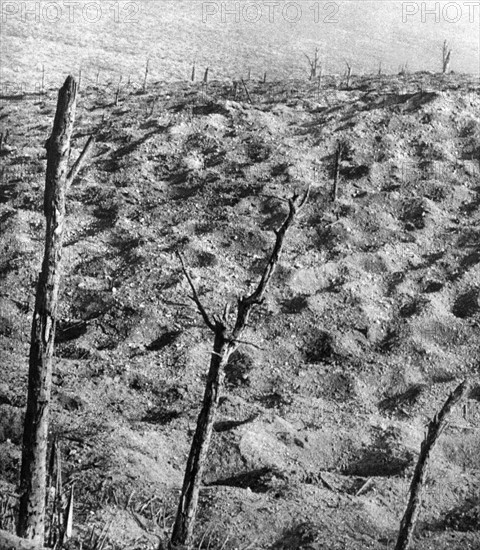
x: 435, y: 428
x: 31, y: 521
x: 187, y: 508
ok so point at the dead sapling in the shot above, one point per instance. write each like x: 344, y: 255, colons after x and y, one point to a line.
x: 313, y: 64
x: 435, y: 428
x: 145, y: 78
x: 235, y: 90
x: 205, y: 83
x: 117, y: 93
x: 446, y: 56
x: 42, y: 90
x: 227, y: 336
x: 348, y: 75
x: 153, y: 104
x: 319, y: 81
x: 336, y: 169
x: 403, y: 69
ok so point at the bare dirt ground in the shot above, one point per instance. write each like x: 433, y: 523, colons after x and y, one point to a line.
x: 371, y: 320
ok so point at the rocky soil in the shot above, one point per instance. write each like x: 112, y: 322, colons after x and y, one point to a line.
x: 372, y: 318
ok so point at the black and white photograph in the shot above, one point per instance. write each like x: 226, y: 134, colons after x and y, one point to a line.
x: 239, y: 275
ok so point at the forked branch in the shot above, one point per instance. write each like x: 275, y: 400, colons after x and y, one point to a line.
x: 313, y: 64
x: 195, y: 296
x: 246, y: 303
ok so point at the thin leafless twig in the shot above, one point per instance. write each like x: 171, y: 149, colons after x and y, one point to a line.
x: 246, y: 303
x: 246, y: 343
x: 195, y: 296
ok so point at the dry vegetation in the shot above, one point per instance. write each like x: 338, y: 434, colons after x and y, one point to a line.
x: 371, y: 320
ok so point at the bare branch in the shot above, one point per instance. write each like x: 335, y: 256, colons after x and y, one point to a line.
x: 245, y: 304
x: 246, y: 343
x: 226, y: 312
x: 195, y: 297
x: 81, y: 159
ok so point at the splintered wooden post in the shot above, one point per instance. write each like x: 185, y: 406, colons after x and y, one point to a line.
x: 380, y: 68
x: 264, y: 77
x: 205, y: 83
x: 319, y: 82
x: 154, y: 103
x: 247, y: 92
x: 31, y: 520
x: 249, y: 74
x: 435, y: 428
x: 117, y: 93
x: 79, y: 79
x: 43, y: 79
x: 336, y: 171
x: 447, y: 53
x: 146, y: 75
x: 193, y: 72
x: 349, y: 75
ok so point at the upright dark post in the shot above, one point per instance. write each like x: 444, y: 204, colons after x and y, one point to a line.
x: 336, y: 171
x: 435, y: 428
x: 446, y: 55
x: 147, y: 68
x: 31, y: 521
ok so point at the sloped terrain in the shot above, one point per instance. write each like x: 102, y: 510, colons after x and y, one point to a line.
x: 371, y: 320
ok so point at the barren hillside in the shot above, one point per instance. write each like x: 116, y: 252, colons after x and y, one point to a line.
x: 371, y: 320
